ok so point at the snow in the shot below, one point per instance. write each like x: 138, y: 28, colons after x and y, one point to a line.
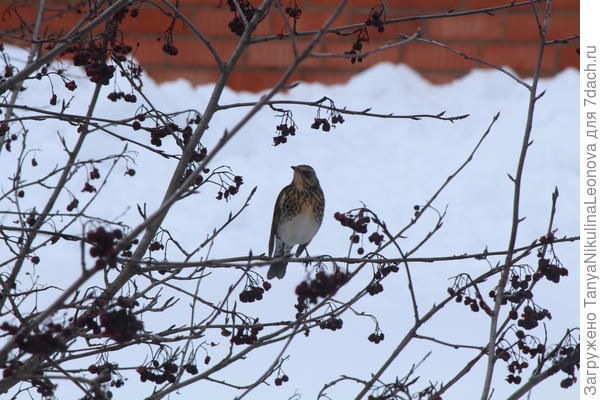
x: 388, y: 164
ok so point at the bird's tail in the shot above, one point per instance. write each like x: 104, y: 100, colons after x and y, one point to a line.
x: 277, y: 269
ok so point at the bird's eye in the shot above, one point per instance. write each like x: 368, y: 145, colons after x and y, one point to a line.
x: 306, y: 174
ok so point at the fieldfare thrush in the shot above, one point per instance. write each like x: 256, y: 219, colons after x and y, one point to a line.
x: 297, y: 217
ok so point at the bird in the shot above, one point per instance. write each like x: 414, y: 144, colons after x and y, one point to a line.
x: 297, y: 217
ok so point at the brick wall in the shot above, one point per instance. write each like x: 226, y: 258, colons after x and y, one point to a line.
x: 509, y: 37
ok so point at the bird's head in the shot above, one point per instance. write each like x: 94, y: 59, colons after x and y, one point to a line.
x: 304, y: 176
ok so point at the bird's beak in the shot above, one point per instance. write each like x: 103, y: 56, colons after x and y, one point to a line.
x: 294, y: 168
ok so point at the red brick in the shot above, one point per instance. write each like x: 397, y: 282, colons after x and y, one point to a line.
x: 213, y: 3
x: 425, y: 56
x: 439, y: 78
x: 61, y: 24
x: 475, y: 4
x: 519, y: 57
x: 339, y: 47
x: 521, y: 27
x: 10, y: 17
x: 568, y: 57
x: 195, y: 76
x: 278, y: 54
x: 151, y: 20
x: 328, y: 77
x: 425, y: 4
x: 255, y: 81
x: 476, y: 27
x: 561, y: 26
x: 407, y: 27
x: 334, y: 3
x: 213, y: 21
x: 565, y: 5
x: 270, y: 54
x: 149, y: 52
x: 524, y: 26
x: 313, y: 20
x: 194, y: 52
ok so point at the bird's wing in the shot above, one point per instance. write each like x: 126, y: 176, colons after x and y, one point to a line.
x: 276, y: 214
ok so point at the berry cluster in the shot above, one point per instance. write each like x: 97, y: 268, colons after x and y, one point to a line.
x: 547, y: 239
x: 362, y: 36
x: 377, y: 18
x: 122, y: 13
x: 514, y: 359
x: 103, y: 371
x: 164, y: 373
x: 70, y: 85
x: 236, y: 25
x: 127, y: 248
x: 376, y: 238
x: 551, y: 271
x: 516, y: 282
x: 160, y: 132
x: 231, y: 190
x: 136, y: 124
x: 376, y: 337
x: 571, y: 354
x: 90, y: 324
x: 357, y: 221
x: 31, y: 219
x: 43, y: 386
x: 533, y: 350
x: 322, y: 286
x: 88, y: 188
x: 516, y: 296
x: 95, y: 174
x: 127, y: 302
x: 155, y: 246
x: 253, y: 293
x: 120, y: 325
x: 43, y: 72
x: 323, y: 123
x: 474, y: 303
x: 170, y: 49
x: 333, y: 324
x: 280, y: 380
x: 93, y: 56
x: 283, y: 130
x: 531, y: 316
x: 39, y: 343
x: 287, y: 127
x: 515, y: 368
x: 191, y: 368
x: 103, y: 246
x: 11, y: 368
x: 8, y: 71
x: 244, y: 337
x: 3, y: 129
x: 375, y: 287
x: 128, y: 97
x: 294, y: 12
